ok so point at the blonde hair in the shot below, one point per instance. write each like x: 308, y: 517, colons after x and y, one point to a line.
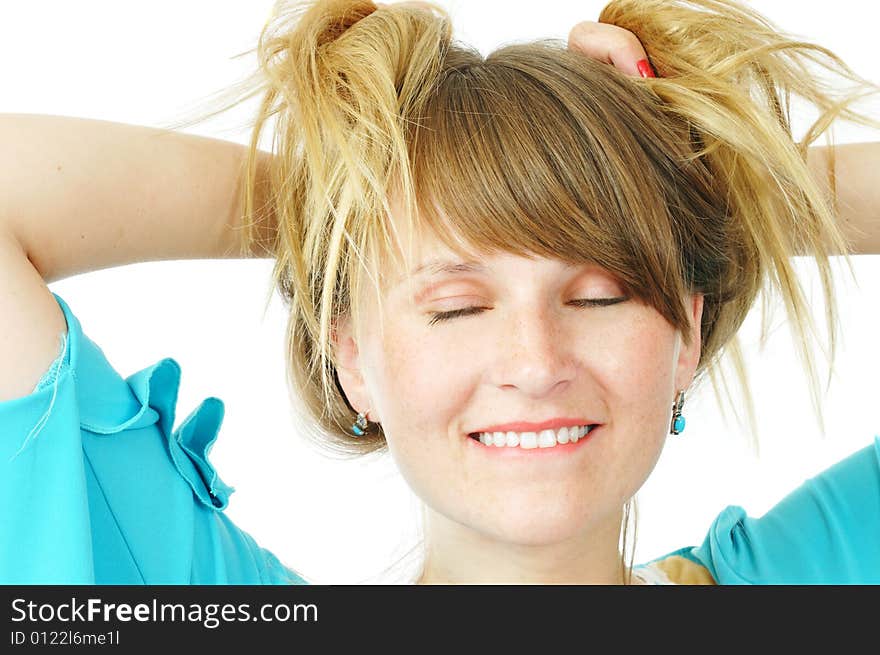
x: 688, y: 182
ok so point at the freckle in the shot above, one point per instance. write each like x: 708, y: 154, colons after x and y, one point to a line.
x: 82, y: 236
x: 59, y: 168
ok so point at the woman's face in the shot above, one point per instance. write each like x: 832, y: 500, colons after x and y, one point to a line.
x: 530, y: 355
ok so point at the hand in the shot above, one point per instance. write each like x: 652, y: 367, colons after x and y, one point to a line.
x: 611, y: 44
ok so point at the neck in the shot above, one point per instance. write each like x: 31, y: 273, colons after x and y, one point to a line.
x: 457, y: 554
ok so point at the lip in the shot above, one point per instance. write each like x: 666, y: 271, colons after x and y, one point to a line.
x: 511, y: 453
x: 524, y: 426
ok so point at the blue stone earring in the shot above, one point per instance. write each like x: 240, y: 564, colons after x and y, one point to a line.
x: 359, y: 428
x: 677, y: 419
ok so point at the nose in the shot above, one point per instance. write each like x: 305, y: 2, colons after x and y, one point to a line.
x: 534, y: 354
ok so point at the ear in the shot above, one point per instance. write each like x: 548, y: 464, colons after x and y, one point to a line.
x: 689, y: 355
x: 348, y: 368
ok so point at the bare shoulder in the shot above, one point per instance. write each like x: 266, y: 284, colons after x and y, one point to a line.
x: 31, y: 325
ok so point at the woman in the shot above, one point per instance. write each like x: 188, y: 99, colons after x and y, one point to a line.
x: 517, y: 308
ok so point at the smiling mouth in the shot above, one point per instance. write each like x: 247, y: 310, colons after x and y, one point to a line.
x: 529, y: 440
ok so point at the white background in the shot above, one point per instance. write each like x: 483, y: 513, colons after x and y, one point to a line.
x: 336, y: 522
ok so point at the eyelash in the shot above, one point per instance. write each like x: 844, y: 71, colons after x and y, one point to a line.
x: 470, y: 311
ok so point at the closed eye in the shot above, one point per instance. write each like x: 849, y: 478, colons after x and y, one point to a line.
x: 469, y: 311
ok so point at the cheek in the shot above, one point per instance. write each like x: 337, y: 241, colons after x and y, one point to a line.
x: 635, y: 371
x: 421, y: 386
x: 634, y: 361
x: 420, y: 392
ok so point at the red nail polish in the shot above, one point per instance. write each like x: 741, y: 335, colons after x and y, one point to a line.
x: 645, y: 69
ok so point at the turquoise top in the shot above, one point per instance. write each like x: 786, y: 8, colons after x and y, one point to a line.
x: 98, y: 487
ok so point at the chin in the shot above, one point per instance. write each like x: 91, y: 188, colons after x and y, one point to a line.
x: 539, y: 528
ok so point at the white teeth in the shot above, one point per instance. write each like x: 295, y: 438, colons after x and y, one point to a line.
x: 562, y: 435
x: 528, y: 440
x: 546, y: 439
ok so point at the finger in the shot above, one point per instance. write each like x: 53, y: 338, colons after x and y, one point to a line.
x: 609, y: 43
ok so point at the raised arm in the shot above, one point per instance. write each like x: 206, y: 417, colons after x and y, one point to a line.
x: 855, y: 166
x: 81, y: 195
x: 855, y: 172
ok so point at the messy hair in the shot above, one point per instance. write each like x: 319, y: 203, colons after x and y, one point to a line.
x: 690, y: 182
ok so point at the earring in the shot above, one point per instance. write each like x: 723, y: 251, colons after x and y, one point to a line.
x: 677, y: 419
x: 359, y: 428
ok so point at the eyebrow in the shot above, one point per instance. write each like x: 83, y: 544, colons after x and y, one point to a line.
x: 438, y: 266
x: 444, y: 266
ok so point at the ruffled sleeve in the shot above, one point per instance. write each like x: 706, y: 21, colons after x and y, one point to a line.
x: 827, y: 531
x: 98, y: 487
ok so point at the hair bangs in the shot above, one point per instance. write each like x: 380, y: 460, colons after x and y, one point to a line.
x: 572, y: 184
